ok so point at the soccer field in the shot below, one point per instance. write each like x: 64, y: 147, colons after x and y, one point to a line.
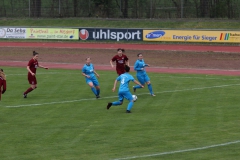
x: 191, y: 117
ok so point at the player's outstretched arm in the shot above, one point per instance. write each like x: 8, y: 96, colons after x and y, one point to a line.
x: 136, y: 82
x: 43, y: 67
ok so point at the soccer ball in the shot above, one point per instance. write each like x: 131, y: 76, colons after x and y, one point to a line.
x: 134, y: 97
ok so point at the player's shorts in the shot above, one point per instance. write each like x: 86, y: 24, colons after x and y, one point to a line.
x: 120, y: 71
x: 127, y: 95
x: 143, y: 78
x: 32, y: 80
x: 93, y: 80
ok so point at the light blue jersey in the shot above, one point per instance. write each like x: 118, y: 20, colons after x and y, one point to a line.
x: 139, y: 66
x: 142, y: 76
x: 124, y: 81
x: 89, y: 70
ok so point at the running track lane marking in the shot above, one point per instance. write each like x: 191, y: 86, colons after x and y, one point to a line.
x: 180, y: 151
x: 191, y: 89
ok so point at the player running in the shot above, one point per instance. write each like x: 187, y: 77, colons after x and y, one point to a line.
x: 32, y: 69
x: 3, y: 83
x: 124, y: 91
x: 89, y: 74
x: 121, y: 60
x: 142, y: 76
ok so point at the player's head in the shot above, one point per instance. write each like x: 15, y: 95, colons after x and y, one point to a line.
x: 120, y: 51
x: 127, y: 68
x: 35, y: 55
x: 88, y: 60
x: 140, y: 56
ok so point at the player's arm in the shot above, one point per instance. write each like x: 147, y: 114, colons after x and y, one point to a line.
x: 29, y: 70
x: 136, y: 82
x: 40, y: 66
x: 111, y: 63
x: 114, y: 85
x: 96, y: 74
x: 84, y: 73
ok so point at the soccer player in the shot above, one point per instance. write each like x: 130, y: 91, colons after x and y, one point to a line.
x: 121, y: 60
x: 3, y: 83
x: 142, y: 76
x: 32, y: 68
x: 89, y: 73
x: 124, y: 91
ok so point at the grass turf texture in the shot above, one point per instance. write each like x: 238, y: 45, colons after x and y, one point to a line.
x: 190, y: 111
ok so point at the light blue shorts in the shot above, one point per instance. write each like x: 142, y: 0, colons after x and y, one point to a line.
x: 93, y: 80
x: 125, y: 94
x: 143, y: 78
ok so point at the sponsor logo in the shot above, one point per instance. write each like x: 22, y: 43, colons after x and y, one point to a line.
x: 83, y: 34
x: 2, y: 33
x: 226, y: 36
x: 110, y: 34
x: 155, y: 34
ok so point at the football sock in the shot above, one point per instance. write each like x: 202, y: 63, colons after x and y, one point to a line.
x: 28, y: 90
x: 94, y: 90
x: 98, y: 91
x: 137, y: 86
x: 150, y: 88
x: 130, y: 105
x: 116, y: 103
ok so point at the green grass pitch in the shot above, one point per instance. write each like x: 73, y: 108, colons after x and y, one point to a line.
x: 192, y: 117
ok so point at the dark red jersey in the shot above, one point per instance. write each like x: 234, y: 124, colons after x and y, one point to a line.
x: 3, y: 85
x: 120, y: 61
x: 33, y: 65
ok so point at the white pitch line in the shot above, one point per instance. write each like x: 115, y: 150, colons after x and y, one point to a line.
x: 180, y: 151
x: 207, y: 78
x: 61, y: 102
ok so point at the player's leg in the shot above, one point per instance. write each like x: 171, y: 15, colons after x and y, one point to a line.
x: 116, y: 103
x: 147, y: 79
x: 141, y: 80
x: 129, y: 97
x: 33, y: 84
x: 96, y: 84
x: 90, y: 83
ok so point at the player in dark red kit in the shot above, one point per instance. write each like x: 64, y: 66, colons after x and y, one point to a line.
x: 121, y: 59
x: 3, y: 83
x: 32, y: 68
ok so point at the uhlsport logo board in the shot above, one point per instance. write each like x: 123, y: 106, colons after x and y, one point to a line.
x: 192, y: 36
x: 110, y: 34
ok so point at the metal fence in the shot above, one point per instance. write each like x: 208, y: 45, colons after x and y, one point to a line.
x: 121, y: 8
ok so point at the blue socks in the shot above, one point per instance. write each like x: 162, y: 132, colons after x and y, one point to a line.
x: 94, y: 90
x: 116, y: 103
x: 130, y: 105
x: 150, y: 88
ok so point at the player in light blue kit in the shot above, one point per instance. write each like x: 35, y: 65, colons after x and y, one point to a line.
x: 142, y: 76
x: 124, y: 91
x: 89, y: 73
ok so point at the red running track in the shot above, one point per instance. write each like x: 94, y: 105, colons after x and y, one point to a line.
x: 171, y: 47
